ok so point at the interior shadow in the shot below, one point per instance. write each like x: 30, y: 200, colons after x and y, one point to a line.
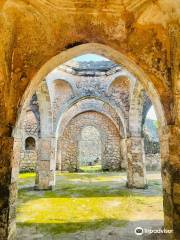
x: 88, y: 191
x: 116, y: 229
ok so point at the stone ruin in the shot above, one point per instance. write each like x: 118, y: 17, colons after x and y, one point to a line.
x: 140, y: 36
x: 84, y: 89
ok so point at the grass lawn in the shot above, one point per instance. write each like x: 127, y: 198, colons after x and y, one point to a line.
x: 83, y: 202
x: 94, y: 168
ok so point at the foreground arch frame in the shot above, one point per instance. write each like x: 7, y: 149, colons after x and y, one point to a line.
x: 118, y: 58
x: 171, y: 215
x: 107, y: 52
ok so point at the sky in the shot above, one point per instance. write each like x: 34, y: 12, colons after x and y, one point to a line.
x: 93, y: 57
x: 90, y: 57
x: 151, y: 114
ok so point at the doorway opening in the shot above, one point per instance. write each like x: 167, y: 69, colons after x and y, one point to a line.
x: 90, y: 149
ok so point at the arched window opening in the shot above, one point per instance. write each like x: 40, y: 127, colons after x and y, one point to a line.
x: 30, y: 143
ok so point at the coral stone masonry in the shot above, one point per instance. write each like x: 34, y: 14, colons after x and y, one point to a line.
x: 48, y: 97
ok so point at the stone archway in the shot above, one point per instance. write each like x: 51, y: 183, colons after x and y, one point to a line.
x: 140, y: 75
x: 121, y: 26
x: 60, y: 91
x: 69, y: 141
x: 63, y: 91
x: 118, y: 58
x: 109, y: 53
x: 44, y: 172
x: 103, y: 50
x: 97, y: 105
x: 119, y: 90
x: 113, y: 55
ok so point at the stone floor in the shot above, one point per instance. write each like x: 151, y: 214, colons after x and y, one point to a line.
x: 89, y: 206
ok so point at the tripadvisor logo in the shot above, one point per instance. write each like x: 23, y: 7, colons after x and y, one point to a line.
x: 138, y: 231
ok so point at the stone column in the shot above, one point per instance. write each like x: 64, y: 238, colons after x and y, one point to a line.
x: 58, y: 155
x: 136, y: 172
x: 170, y: 162
x: 45, y: 169
x: 8, y: 192
x: 123, y: 148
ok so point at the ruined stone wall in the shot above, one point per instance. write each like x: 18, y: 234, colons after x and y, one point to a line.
x: 90, y: 146
x: 151, y: 139
x: 152, y: 154
x: 153, y: 162
x: 150, y: 146
x: 68, y: 143
x: 28, y: 157
x: 141, y: 35
x: 28, y: 160
x: 118, y: 92
x: 74, y: 81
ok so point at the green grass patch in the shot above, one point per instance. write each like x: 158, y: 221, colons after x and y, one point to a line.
x: 82, y: 201
x: 27, y: 175
x: 90, y: 169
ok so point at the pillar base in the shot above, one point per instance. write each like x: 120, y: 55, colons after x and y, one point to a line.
x: 137, y: 186
x: 45, y: 178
